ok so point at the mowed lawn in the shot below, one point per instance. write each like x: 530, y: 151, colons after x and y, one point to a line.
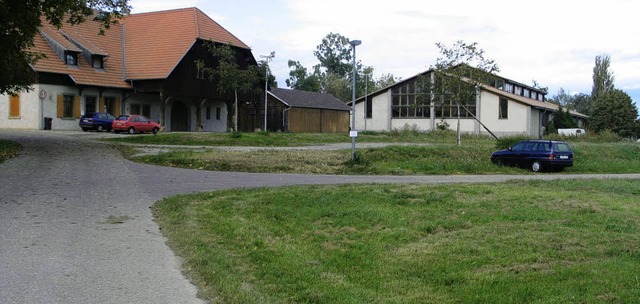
x: 516, y: 242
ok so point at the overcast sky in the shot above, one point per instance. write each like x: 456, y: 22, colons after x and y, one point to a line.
x: 553, y: 42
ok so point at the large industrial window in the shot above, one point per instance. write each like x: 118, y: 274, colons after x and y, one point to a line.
x: 404, y: 103
x: 503, y: 109
x: 369, y: 105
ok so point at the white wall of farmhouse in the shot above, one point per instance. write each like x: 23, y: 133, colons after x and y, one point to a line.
x: 30, y: 111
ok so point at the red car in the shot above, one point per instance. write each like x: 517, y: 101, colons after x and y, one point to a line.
x: 132, y: 124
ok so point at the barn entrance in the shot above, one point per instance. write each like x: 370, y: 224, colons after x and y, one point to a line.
x: 179, y: 117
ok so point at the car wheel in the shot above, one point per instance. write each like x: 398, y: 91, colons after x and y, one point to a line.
x: 498, y: 162
x: 100, y: 128
x: 85, y: 129
x: 154, y: 131
x: 132, y: 130
x: 536, y: 166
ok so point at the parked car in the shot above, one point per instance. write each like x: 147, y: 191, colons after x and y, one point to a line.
x: 99, y: 121
x: 132, y: 124
x: 538, y: 155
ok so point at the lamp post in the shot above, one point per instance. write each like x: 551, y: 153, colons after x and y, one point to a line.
x: 266, y: 83
x: 353, y: 132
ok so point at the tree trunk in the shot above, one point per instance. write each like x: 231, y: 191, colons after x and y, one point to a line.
x: 235, y: 112
x: 458, y: 127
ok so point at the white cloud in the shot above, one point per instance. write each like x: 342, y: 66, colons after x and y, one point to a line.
x: 554, y: 42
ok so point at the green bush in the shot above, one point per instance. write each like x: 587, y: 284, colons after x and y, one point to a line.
x: 508, y: 141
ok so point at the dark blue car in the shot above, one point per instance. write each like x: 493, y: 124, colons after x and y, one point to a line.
x: 98, y: 121
x: 539, y: 155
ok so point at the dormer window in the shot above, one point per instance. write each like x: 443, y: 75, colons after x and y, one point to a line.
x: 97, y: 62
x: 70, y: 58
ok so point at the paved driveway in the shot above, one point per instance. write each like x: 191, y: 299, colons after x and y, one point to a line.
x: 75, y: 224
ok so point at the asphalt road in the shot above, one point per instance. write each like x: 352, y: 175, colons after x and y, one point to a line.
x: 75, y: 223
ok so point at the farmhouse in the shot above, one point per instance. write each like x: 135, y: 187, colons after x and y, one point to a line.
x: 145, y: 64
x: 503, y: 106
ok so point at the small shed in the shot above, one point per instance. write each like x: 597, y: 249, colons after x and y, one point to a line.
x: 306, y: 112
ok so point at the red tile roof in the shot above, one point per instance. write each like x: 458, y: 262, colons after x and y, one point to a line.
x: 149, y: 45
x: 156, y: 42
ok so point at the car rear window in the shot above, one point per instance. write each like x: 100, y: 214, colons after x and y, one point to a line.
x: 123, y: 117
x: 561, y: 147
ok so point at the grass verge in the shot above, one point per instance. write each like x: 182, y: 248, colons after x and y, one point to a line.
x: 262, y: 139
x: 621, y: 157
x: 9, y: 149
x: 515, y: 242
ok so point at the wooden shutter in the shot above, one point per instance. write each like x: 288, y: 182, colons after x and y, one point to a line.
x: 76, y: 106
x: 101, y: 107
x: 60, y: 106
x: 117, y: 107
x: 14, y: 106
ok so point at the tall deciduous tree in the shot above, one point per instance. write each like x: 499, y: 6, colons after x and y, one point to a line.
x: 300, y: 79
x: 230, y: 76
x: 615, y: 112
x: 334, y: 71
x: 19, y: 22
x: 602, y: 78
x: 334, y: 55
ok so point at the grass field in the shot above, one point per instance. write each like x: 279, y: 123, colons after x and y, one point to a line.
x: 515, y: 242
x: 436, y: 154
x: 9, y: 149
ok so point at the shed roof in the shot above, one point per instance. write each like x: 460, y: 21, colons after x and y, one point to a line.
x: 305, y: 99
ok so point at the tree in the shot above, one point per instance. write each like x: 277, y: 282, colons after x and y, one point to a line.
x: 300, y: 79
x: 562, y: 119
x: 385, y: 80
x: 581, y: 103
x: 602, y: 78
x: 333, y: 74
x: 457, y: 75
x: 615, y: 112
x: 334, y: 55
x: 19, y: 23
x: 562, y: 98
x: 339, y: 87
x: 230, y: 76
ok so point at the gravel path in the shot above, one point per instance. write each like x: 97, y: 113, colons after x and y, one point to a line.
x: 75, y: 224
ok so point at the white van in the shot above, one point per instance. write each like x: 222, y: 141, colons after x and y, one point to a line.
x: 571, y: 132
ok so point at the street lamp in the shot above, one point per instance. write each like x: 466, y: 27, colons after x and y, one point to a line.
x: 353, y: 132
x: 266, y: 82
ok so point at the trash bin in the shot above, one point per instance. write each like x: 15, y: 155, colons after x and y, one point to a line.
x: 47, y: 123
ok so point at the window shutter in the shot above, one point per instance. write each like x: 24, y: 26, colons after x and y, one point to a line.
x: 101, y: 105
x: 14, y: 106
x: 117, y: 108
x: 60, y: 106
x: 76, y: 106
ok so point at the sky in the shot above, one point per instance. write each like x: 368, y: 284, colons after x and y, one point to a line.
x: 552, y: 42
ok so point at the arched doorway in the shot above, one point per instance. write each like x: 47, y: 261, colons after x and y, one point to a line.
x: 179, y: 117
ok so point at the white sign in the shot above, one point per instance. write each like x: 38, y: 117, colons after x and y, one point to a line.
x: 353, y: 133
